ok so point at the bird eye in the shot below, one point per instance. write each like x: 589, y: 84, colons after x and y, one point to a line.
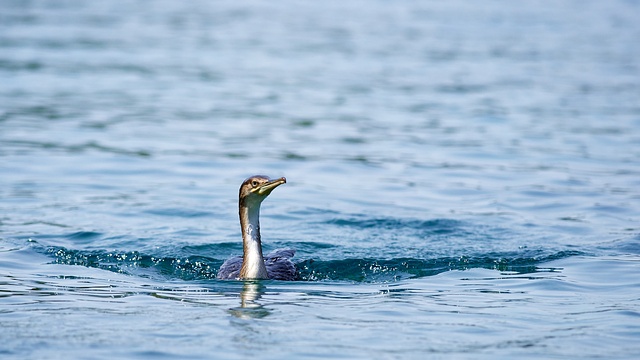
x: 254, y: 183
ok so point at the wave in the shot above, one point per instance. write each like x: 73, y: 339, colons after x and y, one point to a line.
x: 355, y: 270
x: 377, y: 270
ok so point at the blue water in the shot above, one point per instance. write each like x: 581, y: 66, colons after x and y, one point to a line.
x: 463, y: 178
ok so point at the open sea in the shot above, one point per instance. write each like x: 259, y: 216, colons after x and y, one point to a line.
x: 463, y: 178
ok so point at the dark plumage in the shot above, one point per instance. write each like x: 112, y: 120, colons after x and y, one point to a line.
x: 279, y: 267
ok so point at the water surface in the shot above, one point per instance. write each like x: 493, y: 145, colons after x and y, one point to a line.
x: 462, y: 178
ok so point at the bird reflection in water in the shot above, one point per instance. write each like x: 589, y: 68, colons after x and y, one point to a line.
x: 250, y: 308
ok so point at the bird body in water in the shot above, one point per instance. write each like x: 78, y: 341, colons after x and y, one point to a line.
x: 253, y: 264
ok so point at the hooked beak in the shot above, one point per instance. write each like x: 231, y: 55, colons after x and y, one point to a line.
x: 267, y: 187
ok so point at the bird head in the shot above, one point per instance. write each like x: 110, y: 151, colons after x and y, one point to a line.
x: 256, y: 188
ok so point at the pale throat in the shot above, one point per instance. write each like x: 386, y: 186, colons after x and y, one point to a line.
x: 253, y: 266
x: 250, y: 220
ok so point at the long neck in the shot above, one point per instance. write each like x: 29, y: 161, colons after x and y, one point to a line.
x: 253, y: 263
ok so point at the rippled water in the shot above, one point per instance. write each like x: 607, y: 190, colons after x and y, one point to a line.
x: 463, y: 178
